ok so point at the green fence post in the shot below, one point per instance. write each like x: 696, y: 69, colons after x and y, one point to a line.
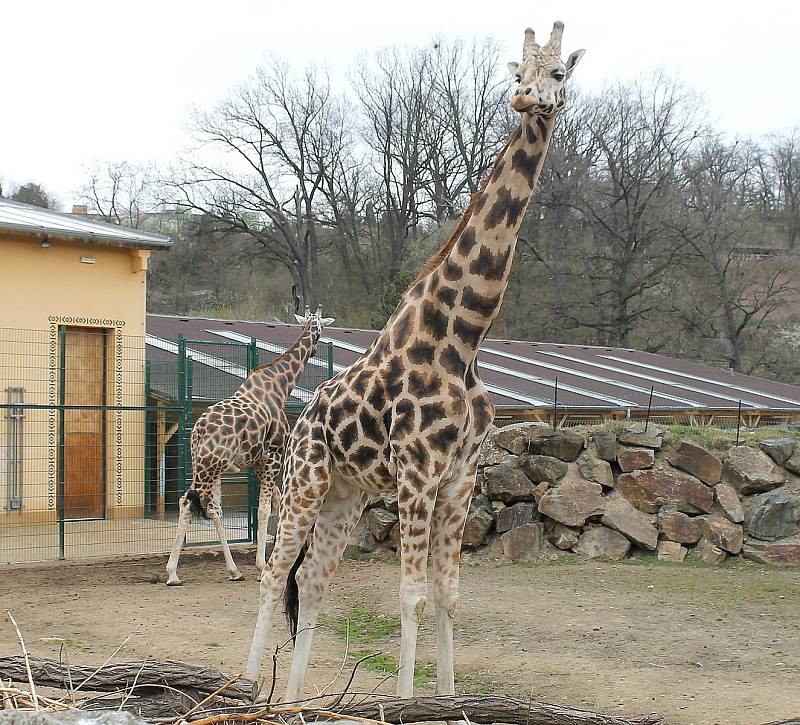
x: 62, y: 357
x: 187, y: 464
x: 253, y: 484
x: 330, y: 360
x: 148, y: 469
x: 181, y: 400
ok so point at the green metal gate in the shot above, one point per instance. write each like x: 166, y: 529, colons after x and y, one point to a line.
x: 95, y: 428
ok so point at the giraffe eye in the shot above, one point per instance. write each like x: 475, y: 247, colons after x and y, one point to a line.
x: 558, y: 74
x: 519, y: 78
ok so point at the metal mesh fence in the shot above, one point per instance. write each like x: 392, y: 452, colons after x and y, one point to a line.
x: 94, y: 440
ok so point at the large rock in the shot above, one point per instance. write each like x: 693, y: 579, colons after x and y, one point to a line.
x: 573, y: 501
x: 634, y: 459
x: 490, y: 453
x: 793, y: 464
x: 605, y: 442
x: 479, y: 521
x: 729, y: 502
x: 562, y: 444
x: 380, y: 522
x: 774, y: 515
x: 594, y: 469
x: 543, y: 468
x: 599, y: 541
x: 389, y: 502
x: 778, y: 449
x: 750, y: 471
x: 635, y: 435
x: 621, y: 516
x: 650, y: 490
x: 708, y: 553
x: 513, y: 516
x: 367, y: 542
x: 677, y: 526
x: 671, y: 551
x: 506, y: 482
x: 523, y: 543
x: 785, y: 552
x: 394, y: 536
x: 722, y: 533
x: 562, y: 536
x: 516, y: 437
x: 645, y: 428
x: 695, y: 459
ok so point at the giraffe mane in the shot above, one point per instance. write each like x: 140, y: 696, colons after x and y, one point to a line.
x: 277, y: 359
x: 439, y: 255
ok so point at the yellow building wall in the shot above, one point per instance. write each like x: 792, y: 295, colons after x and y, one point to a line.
x: 44, y: 289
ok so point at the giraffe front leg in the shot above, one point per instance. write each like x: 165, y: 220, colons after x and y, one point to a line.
x: 184, y: 516
x: 215, y: 514
x: 415, y: 508
x: 447, y: 530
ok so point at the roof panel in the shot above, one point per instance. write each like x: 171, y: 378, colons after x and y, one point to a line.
x: 26, y: 218
x: 522, y: 374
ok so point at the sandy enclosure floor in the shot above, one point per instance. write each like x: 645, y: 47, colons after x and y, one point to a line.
x: 697, y: 644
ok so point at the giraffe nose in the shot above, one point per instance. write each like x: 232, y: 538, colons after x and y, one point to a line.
x: 523, y: 91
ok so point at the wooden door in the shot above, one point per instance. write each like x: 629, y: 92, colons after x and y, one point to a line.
x: 84, y: 473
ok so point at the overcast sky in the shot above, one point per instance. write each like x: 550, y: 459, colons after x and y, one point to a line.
x: 84, y: 80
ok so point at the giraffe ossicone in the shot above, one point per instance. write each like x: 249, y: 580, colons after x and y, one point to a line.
x: 247, y: 430
x: 411, y: 414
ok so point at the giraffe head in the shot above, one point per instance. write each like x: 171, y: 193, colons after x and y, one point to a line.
x: 542, y: 74
x: 315, y: 322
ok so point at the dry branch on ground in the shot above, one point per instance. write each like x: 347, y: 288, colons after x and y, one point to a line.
x: 154, y: 689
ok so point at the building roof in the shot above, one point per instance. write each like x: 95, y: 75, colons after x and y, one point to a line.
x: 522, y: 374
x: 28, y: 219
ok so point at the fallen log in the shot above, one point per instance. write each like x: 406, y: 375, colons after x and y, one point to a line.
x: 484, y: 709
x: 119, y: 676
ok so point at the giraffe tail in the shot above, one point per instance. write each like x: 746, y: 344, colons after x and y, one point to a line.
x: 291, y: 596
x: 194, y: 501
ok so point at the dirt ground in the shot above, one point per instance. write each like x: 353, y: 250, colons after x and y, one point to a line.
x: 697, y: 644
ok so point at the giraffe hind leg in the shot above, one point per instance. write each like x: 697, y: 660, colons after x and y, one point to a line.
x: 302, y: 499
x: 337, y: 518
x: 184, y: 517
x: 215, y: 514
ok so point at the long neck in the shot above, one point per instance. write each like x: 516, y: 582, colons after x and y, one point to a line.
x: 461, y: 297
x: 286, y: 369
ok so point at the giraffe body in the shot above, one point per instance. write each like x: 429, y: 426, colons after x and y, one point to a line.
x: 246, y: 430
x: 410, y: 415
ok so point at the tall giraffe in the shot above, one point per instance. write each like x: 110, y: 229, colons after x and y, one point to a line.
x: 247, y: 430
x: 410, y: 415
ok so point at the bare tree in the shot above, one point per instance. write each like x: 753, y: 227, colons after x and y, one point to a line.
x: 783, y: 151
x: 258, y: 171
x: 637, y: 136
x: 122, y: 193
x: 730, y: 294
x: 394, y: 90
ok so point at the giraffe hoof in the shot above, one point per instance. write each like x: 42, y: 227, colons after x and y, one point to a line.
x: 174, y: 583
x: 237, y: 577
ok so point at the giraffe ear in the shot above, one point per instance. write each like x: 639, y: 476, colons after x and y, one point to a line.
x: 302, y: 320
x: 572, y: 61
x: 512, y: 68
x: 328, y: 321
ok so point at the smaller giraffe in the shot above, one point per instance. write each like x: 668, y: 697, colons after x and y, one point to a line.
x: 247, y: 430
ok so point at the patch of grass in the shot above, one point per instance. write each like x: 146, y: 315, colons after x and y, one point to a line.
x: 723, y: 438
x: 65, y: 641
x: 424, y: 672
x: 361, y: 625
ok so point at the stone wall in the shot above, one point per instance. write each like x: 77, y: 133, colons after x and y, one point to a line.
x: 599, y: 493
